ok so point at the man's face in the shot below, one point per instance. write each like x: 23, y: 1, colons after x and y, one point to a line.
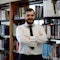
x: 29, y: 17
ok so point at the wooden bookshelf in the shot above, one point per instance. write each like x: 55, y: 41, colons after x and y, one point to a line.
x: 13, y: 6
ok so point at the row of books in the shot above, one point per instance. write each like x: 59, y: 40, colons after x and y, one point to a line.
x: 4, y: 44
x: 4, y: 30
x: 50, y: 8
x: 19, y: 12
x: 1, y: 44
x: 38, y: 11
x: 33, y: 0
x: 1, y: 56
x: 53, y: 30
x: 44, y: 10
x: 4, y: 14
x: 57, y: 8
x: 4, y: 57
x: 29, y: 0
x: 51, y: 52
x: 4, y: 47
x: 48, y: 51
x: 14, y: 28
x: 41, y: 11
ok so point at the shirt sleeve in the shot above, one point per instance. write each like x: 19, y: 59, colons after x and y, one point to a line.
x: 24, y: 39
x: 42, y: 38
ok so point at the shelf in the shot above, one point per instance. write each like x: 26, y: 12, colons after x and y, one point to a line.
x: 40, y: 18
x: 51, y: 17
x: 19, y: 21
x: 51, y: 24
x: 1, y: 49
x: 2, y: 37
x: 52, y: 38
x: 4, y: 6
x: 56, y: 40
x: 6, y: 36
x: 4, y: 20
x: 51, y: 42
x: 4, y: 51
x: 30, y: 2
x: 35, y: 2
x: 47, y: 18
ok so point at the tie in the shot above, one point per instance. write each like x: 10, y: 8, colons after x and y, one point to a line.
x: 31, y: 34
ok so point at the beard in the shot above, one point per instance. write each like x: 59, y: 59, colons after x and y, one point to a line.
x: 30, y: 22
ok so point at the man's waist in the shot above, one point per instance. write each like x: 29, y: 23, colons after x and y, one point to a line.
x: 31, y: 55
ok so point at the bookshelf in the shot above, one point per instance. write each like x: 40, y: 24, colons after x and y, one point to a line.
x: 15, y: 18
x: 13, y: 7
x: 4, y: 13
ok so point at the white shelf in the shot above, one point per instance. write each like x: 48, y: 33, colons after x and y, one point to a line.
x: 55, y: 40
x: 1, y: 48
x: 6, y: 36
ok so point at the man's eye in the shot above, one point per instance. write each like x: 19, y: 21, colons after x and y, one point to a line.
x: 32, y: 15
x: 27, y: 15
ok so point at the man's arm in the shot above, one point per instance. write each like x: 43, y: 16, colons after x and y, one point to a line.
x: 27, y: 40
x: 42, y: 38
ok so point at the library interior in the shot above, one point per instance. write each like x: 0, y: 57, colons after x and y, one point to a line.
x: 12, y: 15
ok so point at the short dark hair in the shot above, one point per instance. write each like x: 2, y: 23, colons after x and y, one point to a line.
x: 28, y: 9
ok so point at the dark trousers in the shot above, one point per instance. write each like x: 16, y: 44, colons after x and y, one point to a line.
x: 29, y: 57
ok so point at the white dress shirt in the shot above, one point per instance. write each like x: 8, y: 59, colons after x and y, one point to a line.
x: 26, y: 41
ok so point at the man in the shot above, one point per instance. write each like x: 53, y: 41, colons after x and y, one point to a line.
x: 30, y: 44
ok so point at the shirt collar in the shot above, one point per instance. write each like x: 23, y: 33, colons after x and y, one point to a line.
x: 28, y: 25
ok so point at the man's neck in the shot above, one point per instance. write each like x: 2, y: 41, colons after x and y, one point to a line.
x: 30, y: 24
x: 26, y: 24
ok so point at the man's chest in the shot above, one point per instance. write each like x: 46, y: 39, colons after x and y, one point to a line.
x: 26, y: 31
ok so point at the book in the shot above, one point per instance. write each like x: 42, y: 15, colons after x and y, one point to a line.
x: 52, y: 31
x: 6, y: 44
x: 48, y: 8
x: 2, y: 56
x: 5, y: 30
x: 39, y: 11
x: 47, y: 51
x: 57, y: 31
x: 58, y: 51
x: 48, y: 31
